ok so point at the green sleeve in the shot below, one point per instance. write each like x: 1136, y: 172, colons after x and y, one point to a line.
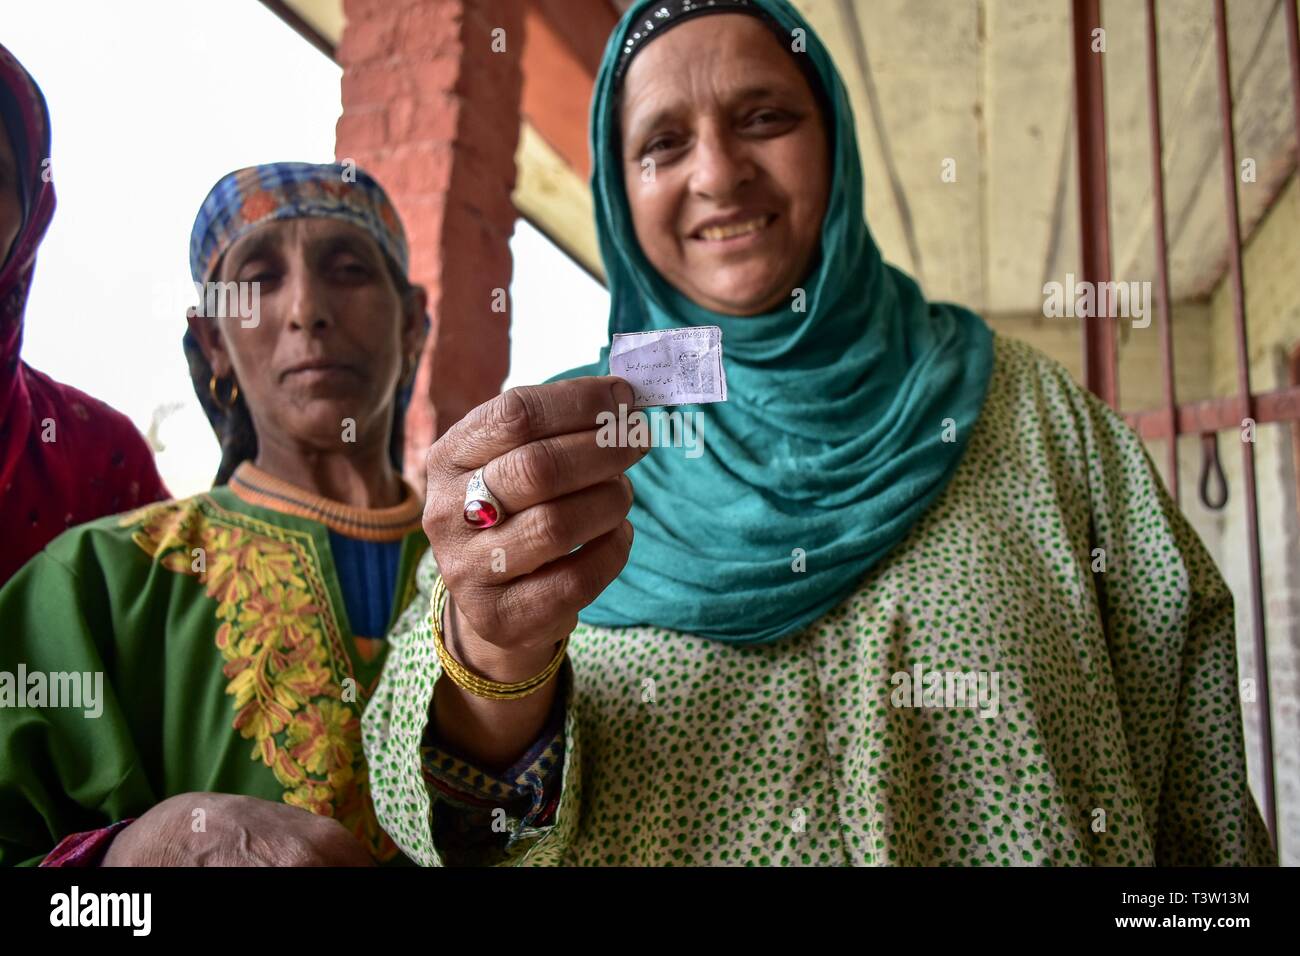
x: 393, y: 730
x: 1169, y: 625
x: 63, y: 769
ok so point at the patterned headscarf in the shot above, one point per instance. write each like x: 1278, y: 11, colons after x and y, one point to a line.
x: 663, y: 15
x: 243, y: 200
x: 239, y: 203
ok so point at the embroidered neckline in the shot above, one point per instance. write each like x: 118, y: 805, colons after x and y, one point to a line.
x: 297, y: 698
x: 256, y: 487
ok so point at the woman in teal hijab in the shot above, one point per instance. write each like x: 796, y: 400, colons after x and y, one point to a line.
x: 920, y: 599
x: 849, y: 396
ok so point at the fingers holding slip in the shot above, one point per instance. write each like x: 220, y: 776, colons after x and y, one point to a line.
x: 565, y: 498
x: 523, y: 415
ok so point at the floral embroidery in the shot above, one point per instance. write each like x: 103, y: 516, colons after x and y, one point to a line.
x: 284, y: 658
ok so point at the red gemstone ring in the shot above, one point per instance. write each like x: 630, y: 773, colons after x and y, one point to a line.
x: 482, y: 510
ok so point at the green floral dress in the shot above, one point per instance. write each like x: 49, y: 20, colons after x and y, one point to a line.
x: 223, y: 653
x: 1099, y: 722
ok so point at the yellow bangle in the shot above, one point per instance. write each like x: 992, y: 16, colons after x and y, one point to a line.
x: 466, y: 679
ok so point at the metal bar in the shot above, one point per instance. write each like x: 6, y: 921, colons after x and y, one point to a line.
x: 1293, y: 54
x: 1244, y: 405
x: 1217, y: 414
x: 1100, y: 356
x: 1293, y: 378
x: 1162, y: 246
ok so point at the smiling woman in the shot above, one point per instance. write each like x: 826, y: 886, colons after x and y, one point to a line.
x: 731, y: 135
x: 888, y: 490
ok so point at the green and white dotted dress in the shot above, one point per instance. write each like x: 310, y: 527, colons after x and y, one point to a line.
x: 1117, y: 737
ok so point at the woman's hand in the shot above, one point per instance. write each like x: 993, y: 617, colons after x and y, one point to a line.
x: 515, y: 589
x: 224, y: 829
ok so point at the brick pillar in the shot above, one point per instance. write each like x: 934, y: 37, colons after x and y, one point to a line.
x: 432, y: 112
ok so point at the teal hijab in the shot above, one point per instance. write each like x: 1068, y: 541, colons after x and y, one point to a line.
x: 843, y: 422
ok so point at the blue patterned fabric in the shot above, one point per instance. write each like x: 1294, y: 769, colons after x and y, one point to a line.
x: 246, y: 198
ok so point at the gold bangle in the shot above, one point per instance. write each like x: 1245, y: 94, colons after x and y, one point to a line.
x: 466, y: 679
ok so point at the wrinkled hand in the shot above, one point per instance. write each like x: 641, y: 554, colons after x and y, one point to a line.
x: 516, y: 588
x: 236, y: 831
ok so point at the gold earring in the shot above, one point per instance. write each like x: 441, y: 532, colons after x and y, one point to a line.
x: 234, y: 392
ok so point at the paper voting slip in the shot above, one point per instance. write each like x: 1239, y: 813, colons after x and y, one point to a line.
x: 672, y: 366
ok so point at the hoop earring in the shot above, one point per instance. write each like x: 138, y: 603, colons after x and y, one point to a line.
x: 230, y: 401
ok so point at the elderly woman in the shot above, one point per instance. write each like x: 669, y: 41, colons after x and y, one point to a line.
x: 922, y: 600
x: 187, y: 637
x: 65, y: 457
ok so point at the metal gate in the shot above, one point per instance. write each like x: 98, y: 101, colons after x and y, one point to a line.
x: 1100, y: 354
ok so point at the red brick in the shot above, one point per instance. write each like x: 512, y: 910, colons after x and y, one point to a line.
x: 489, y: 196
x: 366, y: 40
x: 371, y: 86
x: 362, y: 127
x: 433, y: 22
x: 429, y: 119
x: 357, y: 10
x: 437, y: 74
x: 489, y: 137
x: 433, y: 114
x: 585, y: 35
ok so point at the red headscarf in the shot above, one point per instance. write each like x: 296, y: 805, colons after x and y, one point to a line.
x: 65, y: 457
